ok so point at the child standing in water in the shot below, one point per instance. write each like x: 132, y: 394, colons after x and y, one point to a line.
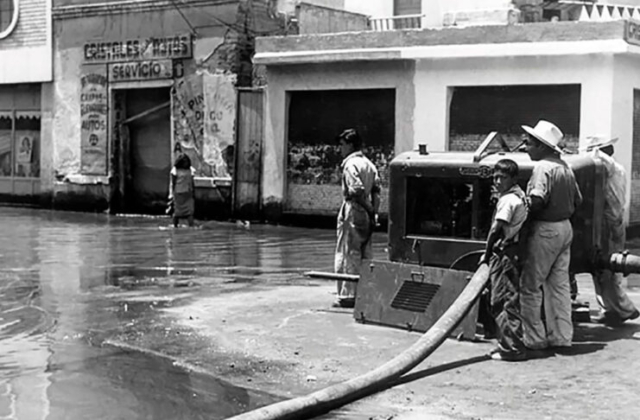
x: 182, y: 190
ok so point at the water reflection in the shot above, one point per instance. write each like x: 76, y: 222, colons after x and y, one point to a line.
x: 70, y: 281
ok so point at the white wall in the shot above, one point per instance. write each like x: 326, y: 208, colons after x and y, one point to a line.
x: 435, y: 9
x: 626, y: 79
x: 607, y: 85
x: 620, y: 2
x: 373, y: 8
x: 434, y: 77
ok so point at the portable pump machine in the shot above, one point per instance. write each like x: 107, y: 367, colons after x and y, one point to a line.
x: 440, y: 212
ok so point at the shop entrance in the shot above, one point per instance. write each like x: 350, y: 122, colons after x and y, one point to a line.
x: 146, y: 149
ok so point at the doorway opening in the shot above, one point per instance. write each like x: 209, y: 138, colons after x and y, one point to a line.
x: 144, y: 137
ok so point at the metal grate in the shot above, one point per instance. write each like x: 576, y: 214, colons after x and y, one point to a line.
x: 414, y: 296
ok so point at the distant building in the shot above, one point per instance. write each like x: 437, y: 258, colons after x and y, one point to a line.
x: 447, y: 79
x: 25, y: 114
x: 138, y: 82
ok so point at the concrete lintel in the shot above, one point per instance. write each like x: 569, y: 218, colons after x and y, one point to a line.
x: 450, y: 51
x: 375, y: 54
x: 127, y: 6
x: 469, y: 35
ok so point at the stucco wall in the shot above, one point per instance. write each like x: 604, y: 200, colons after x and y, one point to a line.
x: 434, y: 10
x: 626, y: 78
x: 72, y: 33
x: 70, y: 36
x: 607, y: 85
x: 373, y: 8
x: 434, y: 77
x: 318, y: 20
x: 339, y: 76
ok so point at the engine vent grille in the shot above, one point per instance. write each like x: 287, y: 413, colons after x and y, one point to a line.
x: 414, y: 296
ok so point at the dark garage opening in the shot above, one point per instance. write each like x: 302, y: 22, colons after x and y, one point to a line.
x: 477, y: 111
x: 315, y: 118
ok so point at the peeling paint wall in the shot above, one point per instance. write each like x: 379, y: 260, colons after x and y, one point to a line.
x: 319, y: 20
x: 223, y: 44
x: 66, y: 102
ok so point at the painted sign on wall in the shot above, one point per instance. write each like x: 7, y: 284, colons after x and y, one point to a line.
x: 93, y: 117
x: 140, y: 70
x: 219, y: 123
x: 632, y: 32
x: 178, y: 46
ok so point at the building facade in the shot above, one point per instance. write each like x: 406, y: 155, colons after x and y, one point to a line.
x: 447, y: 88
x: 25, y: 113
x: 138, y: 82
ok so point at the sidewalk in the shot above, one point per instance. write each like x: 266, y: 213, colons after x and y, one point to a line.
x: 286, y: 339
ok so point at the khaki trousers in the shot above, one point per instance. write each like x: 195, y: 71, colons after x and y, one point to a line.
x: 354, y: 232
x: 545, y: 275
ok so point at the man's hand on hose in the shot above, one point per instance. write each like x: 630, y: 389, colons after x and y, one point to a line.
x: 484, y: 258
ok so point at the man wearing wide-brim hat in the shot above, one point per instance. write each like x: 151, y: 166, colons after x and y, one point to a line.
x: 615, y: 305
x: 553, y: 195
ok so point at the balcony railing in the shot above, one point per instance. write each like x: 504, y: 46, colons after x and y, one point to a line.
x: 394, y: 23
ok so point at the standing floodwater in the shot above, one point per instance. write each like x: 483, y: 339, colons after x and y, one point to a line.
x: 72, y: 283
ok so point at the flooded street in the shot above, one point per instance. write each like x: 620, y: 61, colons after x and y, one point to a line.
x: 74, y: 285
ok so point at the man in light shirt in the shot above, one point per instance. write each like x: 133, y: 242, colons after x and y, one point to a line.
x: 553, y: 196
x: 358, y: 213
x: 615, y: 305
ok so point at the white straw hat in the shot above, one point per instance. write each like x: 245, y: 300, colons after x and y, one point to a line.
x: 598, y: 142
x: 547, y: 133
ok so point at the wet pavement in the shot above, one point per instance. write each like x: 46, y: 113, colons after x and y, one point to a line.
x: 74, y: 287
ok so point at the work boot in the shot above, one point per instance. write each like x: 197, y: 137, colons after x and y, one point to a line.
x: 612, y: 319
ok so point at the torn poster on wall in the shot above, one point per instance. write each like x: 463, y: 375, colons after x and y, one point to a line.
x: 204, y: 110
x: 219, y: 123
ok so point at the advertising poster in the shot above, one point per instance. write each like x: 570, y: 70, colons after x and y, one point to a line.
x: 219, y: 123
x: 26, y: 143
x: 24, y: 146
x: 188, y: 116
x: 93, y: 117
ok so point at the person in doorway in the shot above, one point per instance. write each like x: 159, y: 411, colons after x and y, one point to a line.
x: 501, y: 254
x: 553, y: 196
x: 358, y: 214
x: 615, y: 305
x: 182, y: 190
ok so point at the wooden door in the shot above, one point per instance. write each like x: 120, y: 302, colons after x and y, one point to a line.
x: 248, y: 166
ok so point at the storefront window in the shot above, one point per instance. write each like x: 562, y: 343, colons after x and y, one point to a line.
x: 6, y: 135
x: 27, y: 144
x: 20, y: 144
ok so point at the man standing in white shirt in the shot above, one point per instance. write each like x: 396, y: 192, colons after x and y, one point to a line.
x: 615, y: 305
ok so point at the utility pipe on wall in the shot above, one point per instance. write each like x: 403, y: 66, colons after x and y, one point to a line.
x: 335, y: 396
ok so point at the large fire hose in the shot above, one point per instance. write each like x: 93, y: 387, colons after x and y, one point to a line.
x: 335, y: 396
